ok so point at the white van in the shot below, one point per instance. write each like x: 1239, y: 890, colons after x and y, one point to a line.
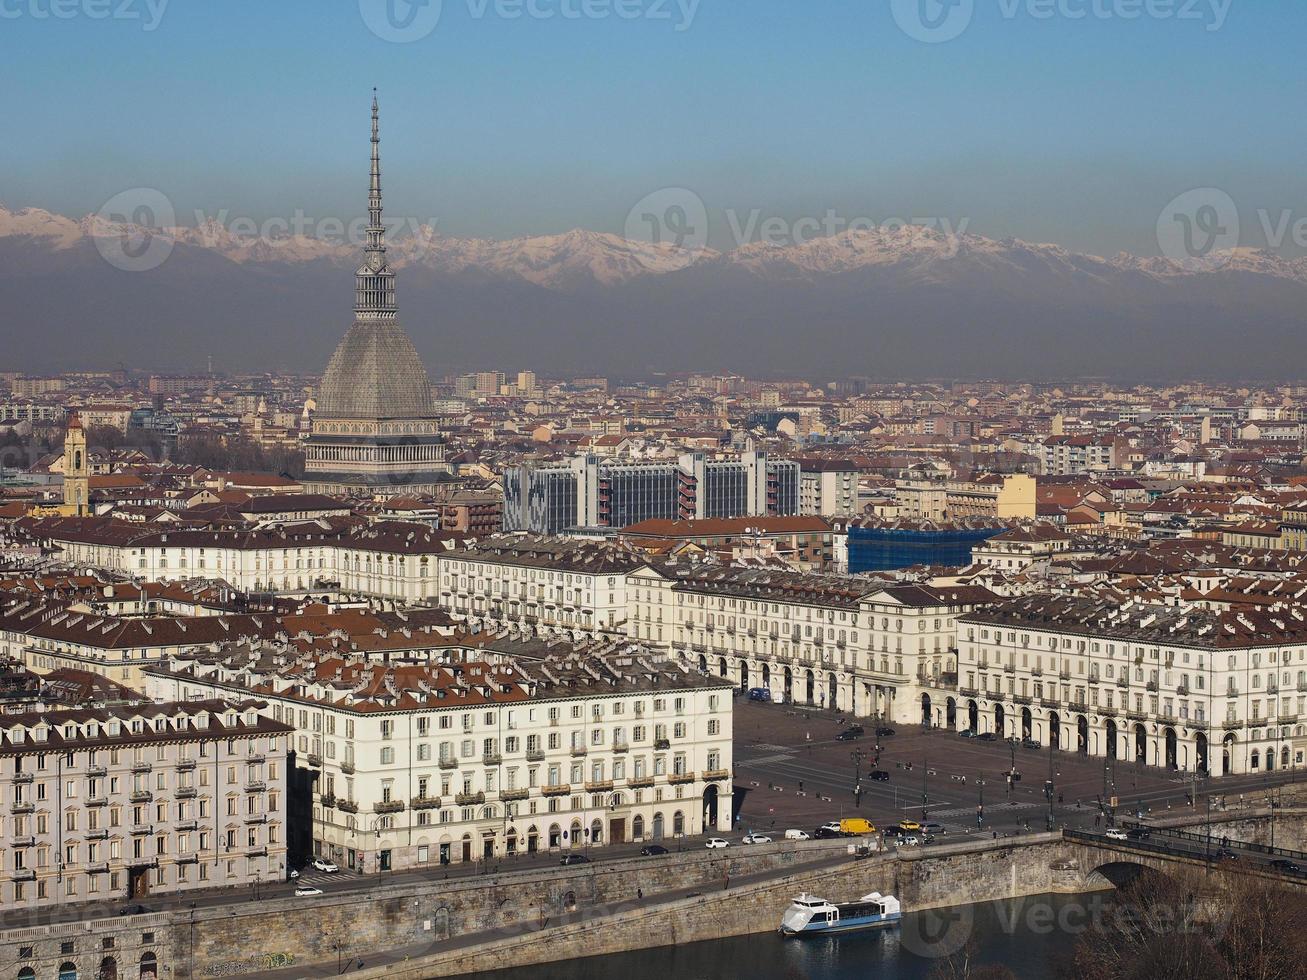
x: 797, y: 835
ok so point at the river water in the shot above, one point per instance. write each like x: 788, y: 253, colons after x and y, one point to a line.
x: 1030, y: 936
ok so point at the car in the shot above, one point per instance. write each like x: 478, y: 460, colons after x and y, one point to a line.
x: 322, y: 864
x: 1225, y: 854
x: 306, y: 891
x: 755, y: 839
x: 1030, y: 743
x: 825, y: 833
x: 987, y: 737
x: 1116, y: 833
x: 909, y: 826
x: 850, y: 733
x: 884, y: 731
x: 134, y: 910
x: 909, y: 840
x: 1283, y: 864
x: 294, y: 874
x: 797, y: 835
x: 652, y: 850
x: 933, y: 828
x: 570, y: 859
x: 967, y: 733
x: 1138, y: 833
x: 715, y: 842
x: 879, y: 776
x: 759, y: 694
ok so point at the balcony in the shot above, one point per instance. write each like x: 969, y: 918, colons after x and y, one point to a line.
x: 255, y: 786
x: 1151, y: 686
x: 491, y: 759
x: 191, y: 858
x: 185, y: 765
x: 1123, y: 682
x: 680, y: 777
x: 448, y: 763
x: 23, y: 777
x: 314, y: 760
x: 329, y: 800
x: 347, y: 768
x: 141, y: 796
x: 252, y: 818
x: 100, y: 771
x: 562, y: 789
x: 256, y: 852
x: 185, y: 792
x: 185, y: 825
x: 347, y: 806
x: 389, y: 806
x: 1009, y: 668
x: 425, y: 803
x: 470, y: 799
x: 97, y: 868
x: 621, y: 747
x: 97, y: 800
x: 579, y: 750
x: 535, y: 755
x: 27, y: 841
x: 257, y: 757
x: 23, y: 874
x: 716, y: 775
x: 141, y: 830
x: 662, y: 744
x: 142, y: 767
x: 509, y: 795
x: 599, y: 786
x: 100, y: 833
x: 1182, y: 690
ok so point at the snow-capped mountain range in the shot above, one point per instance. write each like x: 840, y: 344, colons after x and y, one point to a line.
x: 581, y: 257
x: 903, y: 302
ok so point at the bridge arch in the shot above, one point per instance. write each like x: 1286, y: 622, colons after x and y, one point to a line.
x: 1119, y: 874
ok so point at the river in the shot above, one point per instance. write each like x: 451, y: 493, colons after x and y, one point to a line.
x: 1030, y: 936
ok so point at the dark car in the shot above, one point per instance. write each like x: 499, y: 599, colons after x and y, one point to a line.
x: 988, y: 737
x: 884, y: 731
x: 850, y: 733
x: 574, y: 859
x: 1225, y: 854
x: 1030, y: 743
x: 759, y: 694
x: 1139, y: 833
x: 651, y: 850
x: 1283, y: 864
x: 134, y: 910
x: 966, y: 733
x: 825, y: 833
x: 879, y: 776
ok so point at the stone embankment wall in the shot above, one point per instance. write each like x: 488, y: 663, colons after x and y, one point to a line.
x: 922, y: 879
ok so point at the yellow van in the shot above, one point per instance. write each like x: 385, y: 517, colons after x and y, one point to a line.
x: 856, y: 826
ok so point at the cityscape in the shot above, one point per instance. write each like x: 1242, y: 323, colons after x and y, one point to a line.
x: 706, y: 594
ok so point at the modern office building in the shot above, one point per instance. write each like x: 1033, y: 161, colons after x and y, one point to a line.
x: 588, y: 491
x: 878, y: 546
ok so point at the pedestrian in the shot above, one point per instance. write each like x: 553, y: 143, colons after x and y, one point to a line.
x: 800, y: 785
x: 639, y: 893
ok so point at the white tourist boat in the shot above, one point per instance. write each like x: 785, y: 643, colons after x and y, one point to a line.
x: 809, y: 915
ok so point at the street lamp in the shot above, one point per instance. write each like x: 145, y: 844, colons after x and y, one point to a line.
x: 1048, y: 786
x: 857, y: 756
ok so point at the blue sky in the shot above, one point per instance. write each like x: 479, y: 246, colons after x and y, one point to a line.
x: 1075, y: 130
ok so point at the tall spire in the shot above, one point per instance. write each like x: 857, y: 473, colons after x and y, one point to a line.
x: 374, y: 284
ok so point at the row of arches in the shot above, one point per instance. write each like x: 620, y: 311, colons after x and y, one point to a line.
x: 1074, y: 732
x: 147, y: 968
x: 803, y: 685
